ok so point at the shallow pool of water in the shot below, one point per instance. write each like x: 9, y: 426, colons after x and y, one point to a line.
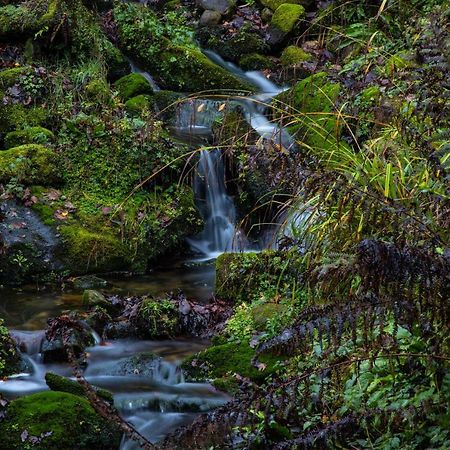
x: 29, y: 307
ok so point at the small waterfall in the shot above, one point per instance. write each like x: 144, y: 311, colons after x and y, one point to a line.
x: 135, y: 69
x: 217, y: 208
x: 196, y: 117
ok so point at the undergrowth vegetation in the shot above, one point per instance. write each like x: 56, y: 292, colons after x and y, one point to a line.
x: 365, y: 345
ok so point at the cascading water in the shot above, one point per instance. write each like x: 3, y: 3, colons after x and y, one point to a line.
x: 196, y: 117
x: 217, y: 208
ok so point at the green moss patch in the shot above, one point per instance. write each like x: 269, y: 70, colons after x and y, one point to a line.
x: 287, y: 16
x: 30, y: 164
x: 293, y: 55
x: 61, y: 420
x: 31, y: 135
x: 275, y: 4
x: 227, y: 359
x: 132, y: 85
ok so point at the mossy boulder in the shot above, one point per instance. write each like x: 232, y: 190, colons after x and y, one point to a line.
x: 284, y: 20
x: 30, y: 164
x: 136, y: 105
x: 293, y: 55
x: 16, y: 117
x: 92, y: 298
x: 273, y: 5
x: 98, y: 90
x: 9, y: 77
x: 62, y: 384
x: 10, y: 361
x: 158, y: 318
x: 256, y: 61
x: 188, y: 69
x: 88, y: 250
x: 61, y: 420
x: 116, y: 64
x: 28, y: 249
x: 132, y: 85
x: 222, y: 361
x: 31, y: 135
x: 24, y: 20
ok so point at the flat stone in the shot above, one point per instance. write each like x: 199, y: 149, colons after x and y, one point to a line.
x: 210, y: 18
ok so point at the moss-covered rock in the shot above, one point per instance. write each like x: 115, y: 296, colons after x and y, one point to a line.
x: 222, y: 361
x: 61, y: 420
x: 26, y: 19
x: 92, y: 298
x: 159, y: 317
x: 274, y: 4
x: 31, y: 135
x: 16, y: 117
x: 97, y: 90
x: 132, y: 85
x: 62, y: 384
x: 10, y: 360
x: 9, y: 77
x: 29, y: 164
x: 116, y: 63
x: 87, y: 250
x: 256, y: 61
x: 284, y: 20
x: 293, y: 55
x: 188, y: 69
x: 135, y: 105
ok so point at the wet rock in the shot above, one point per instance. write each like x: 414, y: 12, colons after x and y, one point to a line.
x: 221, y: 6
x: 64, y: 332
x: 119, y: 330
x: 61, y: 420
x: 27, y: 245
x: 93, y: 298
x: 210, y: 18
x: 143, y: 364
x: 62, y: 384
x: 284, y: 20
x: 89, y: 282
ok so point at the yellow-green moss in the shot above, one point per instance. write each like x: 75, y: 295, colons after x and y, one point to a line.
x: 9, y: 355
x: 26, y: 19
x: 224, y: 360
x: 397, y: 62
x: 136, y: 105
x: 89, y: 251
x: 30, y: 164
x: 64, y: 420
x: 9, y: 77
x: 293, y: 55
x: 98, y: 90
x: 287, y: 16
x: 16, y: 117
x: 188, y: 69
x: 31, y: 135
x: 132, y: 85
x: 274, y: 4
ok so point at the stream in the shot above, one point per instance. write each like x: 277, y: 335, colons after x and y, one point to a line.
x: 155, y: 399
